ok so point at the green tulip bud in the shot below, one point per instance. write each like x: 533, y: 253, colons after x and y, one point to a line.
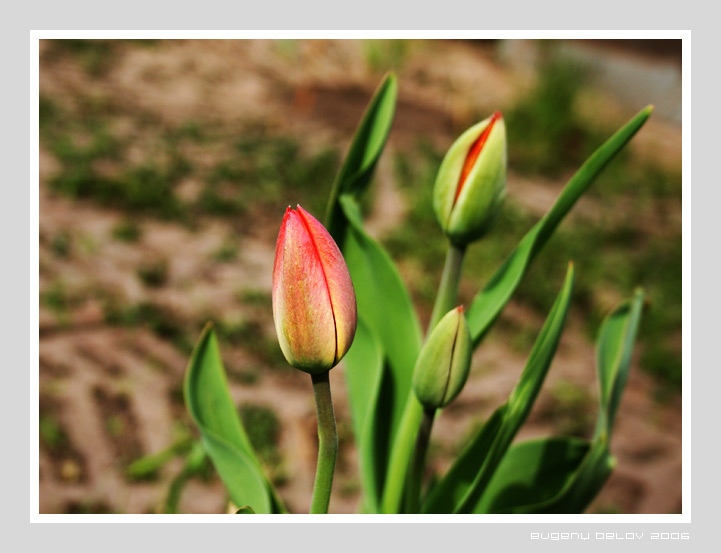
x: 471, y: 181
x: 444, y: 362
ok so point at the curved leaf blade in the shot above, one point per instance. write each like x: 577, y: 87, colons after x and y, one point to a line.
x: 243, y: 479
x: 614, y: 346
x: 613, y: 353
x: 383, y: 299
x: 532, y: 472
x: 488, y: 303
x: 364, y: 371
x: 363, y: 154
x: 384, y: 304
x: 362, y: 367
x: 585, y: 484
x: 208, y: 400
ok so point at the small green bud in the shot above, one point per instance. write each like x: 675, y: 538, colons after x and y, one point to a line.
x: 444, y: 362
x: 471, y: 181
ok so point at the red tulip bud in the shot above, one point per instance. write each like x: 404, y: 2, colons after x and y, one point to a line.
x: 314, y: 306
x: 471, y: 181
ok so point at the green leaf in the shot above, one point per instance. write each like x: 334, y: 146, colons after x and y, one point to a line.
x: 532, y: 472
x: 450, y: 490
x: 242, y: 477
x: 213, y: 411
x: 585, y: 484
x: 364, y: 368
x: 613, y: 355
x: 363, y: 154
x: 461, y: 489
x: 488, y: 303
x: 385, y: 306
x: 383, y: 300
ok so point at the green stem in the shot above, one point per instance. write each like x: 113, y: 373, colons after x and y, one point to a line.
x: 448, y: 288
x: 415, y: 479
x: 327, y: 444
x: 401, y: 455
x: 402, y: 450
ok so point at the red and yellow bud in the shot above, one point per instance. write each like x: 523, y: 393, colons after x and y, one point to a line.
x: 471, y: 181
x: 314, y: 305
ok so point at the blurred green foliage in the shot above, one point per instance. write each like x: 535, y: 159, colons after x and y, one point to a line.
x: 268, y: 171
x: 127, y: 231
x: 52, y: 434
x: 159, y: 320
x: 227, y: 252
x: 258, y: 172
x: 572, y: 409
x: 545, y: 133
x: 154, y: 274
x: 263, y: 427
x: 382, y: 55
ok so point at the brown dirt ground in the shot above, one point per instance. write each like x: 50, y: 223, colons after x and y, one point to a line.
x: 96, y: 379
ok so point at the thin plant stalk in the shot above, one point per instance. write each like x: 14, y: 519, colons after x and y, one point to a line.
x: 448, y: 288
x: 401, y: 454
x: 327, y: 443
x: 415, y: 477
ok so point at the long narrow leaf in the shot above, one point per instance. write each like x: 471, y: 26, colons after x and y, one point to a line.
x: 613, y: 355
x: 213, y: 411
x: 385, y: 306
x: 383, y: 300
x: 364, y: 370
x: 363, y: 154
x: 488, y: 303
x: 461, y: 489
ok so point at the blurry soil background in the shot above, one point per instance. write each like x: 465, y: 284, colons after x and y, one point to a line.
x: 165, y: 169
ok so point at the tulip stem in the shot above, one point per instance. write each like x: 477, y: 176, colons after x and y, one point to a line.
x: 327, y: 443
x: 415, y: 477
x: 448, y: 288
x: 401, y: 454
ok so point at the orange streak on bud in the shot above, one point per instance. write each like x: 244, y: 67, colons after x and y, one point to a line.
x: 474, y: 152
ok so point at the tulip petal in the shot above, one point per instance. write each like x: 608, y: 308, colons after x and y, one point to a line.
x: 302, y: 308
x: 340, y: 286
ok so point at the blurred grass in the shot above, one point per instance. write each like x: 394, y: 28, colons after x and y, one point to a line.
x: 263, y: 428
x: 159, y: 320
x: 258, y: 172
